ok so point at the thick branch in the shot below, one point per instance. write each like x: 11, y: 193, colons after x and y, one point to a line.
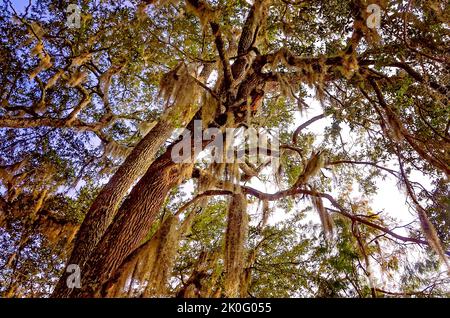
x: 255, y: 19
x: 14, y: 122
x: 220, y: 46
x: 419, y: 78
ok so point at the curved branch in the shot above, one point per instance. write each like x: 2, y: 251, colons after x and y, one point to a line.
x: 419, y: 78
x: 341, y: 210
x: 14, y: 122
x: 304, y: 125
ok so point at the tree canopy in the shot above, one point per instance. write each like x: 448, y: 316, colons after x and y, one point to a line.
x: 354, y: 94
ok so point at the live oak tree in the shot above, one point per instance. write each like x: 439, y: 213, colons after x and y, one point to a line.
x: 87, y: 121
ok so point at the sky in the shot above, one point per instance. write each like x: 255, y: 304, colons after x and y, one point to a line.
x: 388, y: 198
x: 20, y: 5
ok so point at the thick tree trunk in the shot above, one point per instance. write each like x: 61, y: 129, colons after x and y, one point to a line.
x: 132, y: 222
x: 103, y: 209
x: 130, y: 226
x: 235, y: 237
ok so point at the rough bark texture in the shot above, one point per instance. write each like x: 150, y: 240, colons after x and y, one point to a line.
x: 130, y: 226
x: 235, y: 237
x: 105, y: 205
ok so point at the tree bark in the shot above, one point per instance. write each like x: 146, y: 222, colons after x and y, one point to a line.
x: 130, y: 226
x: 106, y: 203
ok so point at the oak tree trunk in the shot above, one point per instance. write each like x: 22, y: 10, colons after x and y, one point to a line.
x: 104, y: 207
x: 130, y: 225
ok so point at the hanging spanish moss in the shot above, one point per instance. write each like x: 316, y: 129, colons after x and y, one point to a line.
x: 150, y: 262
x: 38, y: 49
x: 312, y: 167
x: 40, y: 201
x: 206, y: 182
x: 186, y: 224
x: 266, y: 213
x: 312, y: 74
x: 52, y: 81
x: 325, y: 219
x: 203, y: 11
x: 146, y: 126
x: 217, y: 293
x: 141, y: 13
x: 160, y: 268
x: 362, y: 247
x: 54, y: 229
x: 432, y: 238
x: 77, y: 78
x: 396, y: 128
x: 202, y: 281
x: 44, y: 64
x: 234, y: 176
x: 36, y: 30
x: 246, y: 277
x: 146, y: 272
x: 106, y: 77
x: 178, y: 87
x: 235, y: 236
x: 8, y: 172
x: 191, y: 291
x: 80, y: 59
x: 210, y: 107
x: 349, y: 65
x: 116, y: 150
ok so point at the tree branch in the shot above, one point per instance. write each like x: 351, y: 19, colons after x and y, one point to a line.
x: 341, y: 210
x: 304, y: 125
